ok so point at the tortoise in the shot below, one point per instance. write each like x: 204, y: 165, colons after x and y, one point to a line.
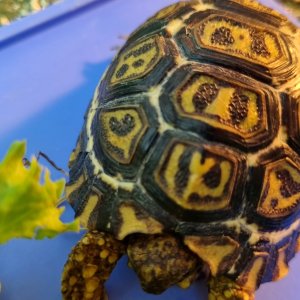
x: 188, y: 160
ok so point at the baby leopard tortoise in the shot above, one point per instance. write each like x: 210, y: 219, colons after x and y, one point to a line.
x: 188, y: 160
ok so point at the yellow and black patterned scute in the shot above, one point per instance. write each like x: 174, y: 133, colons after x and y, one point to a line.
x: 194, y: 129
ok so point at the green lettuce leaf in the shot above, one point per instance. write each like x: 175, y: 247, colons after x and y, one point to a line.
x: 28, y: 208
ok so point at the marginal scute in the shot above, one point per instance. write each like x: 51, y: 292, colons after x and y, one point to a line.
x: 75, y: 153
x: 90, y: 213
x: 298, y: 244
x: 74, y: 186
x: 280, y: 196
x: 212, y: 100
x: 219, y: 253
x: 133, y: 219
x: 253, y: 8
x: 218, y: 102
x: 197, y: 178
x: 172, y: 9
x: 281, y: 268
x: 252, y: 274
x: 258, y: 7
x: 164, y: 17
x: 121, y: 131
x: 293, y: 113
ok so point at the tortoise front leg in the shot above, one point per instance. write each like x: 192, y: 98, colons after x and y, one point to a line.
x: 89, y: 265
x: 222, y: 288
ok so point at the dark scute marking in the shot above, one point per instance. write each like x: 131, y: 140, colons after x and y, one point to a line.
x: 238, y: 108
x: 160, y: 261
x: 112, y: 148
x: 194, y: 198
x: 142, y: 50
x: 222, y: 36
x: 258, y: 45
x: 183, y: 174
x: 121, y: 72
x: 274, y: 203
x: 123, y: 127
x: 289, y: 187
x: 212, y: 178
x: 138, y: 63
x: 205, y: 95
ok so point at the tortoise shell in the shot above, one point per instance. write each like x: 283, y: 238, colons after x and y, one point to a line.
x: 194, y: 129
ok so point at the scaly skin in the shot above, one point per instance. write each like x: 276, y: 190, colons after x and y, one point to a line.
x: 89, y: 266
x: 222, y: 288
x: 162, y: 261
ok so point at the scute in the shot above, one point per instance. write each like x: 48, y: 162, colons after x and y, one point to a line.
x: 139, y: 66
x: 251, y: 276
x: 137, y: 61
x: 220, y: 253
x: 133, y: 219
x: 157, y: 23
x: 277, y: 192
x: 193, y: 179
x: 232, y: 40
x: 281, y: 189
x: 90, y: 213
x: 282, y: 268
x: 170, y: 11
x: 221, y: 105
x: 123, y: 133
x: 297, y: 247
x: 292, y: 107
x: 122, y: 130
x: 225, y: 34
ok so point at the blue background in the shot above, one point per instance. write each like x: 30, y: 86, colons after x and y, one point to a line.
x: 50, y: 64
